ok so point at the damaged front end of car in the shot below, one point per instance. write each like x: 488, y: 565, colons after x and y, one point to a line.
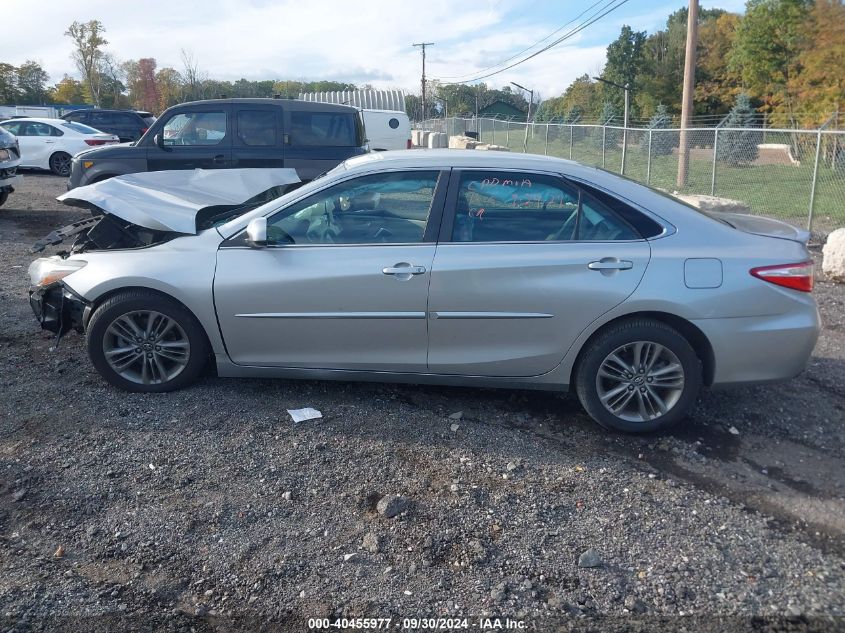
x: 10, y: 158
x: 135, y: 212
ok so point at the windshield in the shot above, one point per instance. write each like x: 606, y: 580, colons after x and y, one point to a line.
x: 212, y: 217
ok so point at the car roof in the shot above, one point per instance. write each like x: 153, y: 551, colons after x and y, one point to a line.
x: 36, y: 120
x: 443, y: 158
x: 290, y: 104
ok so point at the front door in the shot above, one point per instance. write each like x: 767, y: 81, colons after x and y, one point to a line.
x: 343, y: 283
x: 528, y: 261
x: 193, y: 139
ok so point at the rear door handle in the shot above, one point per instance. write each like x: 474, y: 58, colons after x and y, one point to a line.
x: 403, y: 269
x: 611, y: 263
x: 219, y: 159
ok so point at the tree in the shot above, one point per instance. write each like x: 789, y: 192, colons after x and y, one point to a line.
x: 88, y: 44
x: 32, y: 83
x: 820, y: 86
x: 717, y: 84
x: 194, y: 80
x: 766, y: 50
x: 148, y: 86
x: 625, y: 60
x: 662, y: 143
x: 68, y: 91
x: 739, y: 147
x: 610, y: 136
x: 112, y: 77
x: 8, y: 83
x: 170, y: 88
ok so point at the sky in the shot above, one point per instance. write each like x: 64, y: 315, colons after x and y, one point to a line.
x: 366, y: 41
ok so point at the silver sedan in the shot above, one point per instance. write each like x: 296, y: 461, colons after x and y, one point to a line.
x: 438, y: 267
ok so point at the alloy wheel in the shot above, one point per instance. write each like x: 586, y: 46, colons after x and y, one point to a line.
x: 146, y: 347
x: 640, y: 381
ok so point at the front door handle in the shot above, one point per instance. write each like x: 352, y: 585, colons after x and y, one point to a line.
x: 403, y: 268
x: 610, y: 264
x: 219, y: 159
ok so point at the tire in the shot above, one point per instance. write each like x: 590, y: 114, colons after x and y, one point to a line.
x: 4, y: 195
x: 60, y: 163
x: 171, y: 357
x: 656, y: 395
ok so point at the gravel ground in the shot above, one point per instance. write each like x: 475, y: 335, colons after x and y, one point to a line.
x: 209, y: 510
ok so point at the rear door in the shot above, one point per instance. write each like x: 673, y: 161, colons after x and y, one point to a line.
x: 257, y: 141
x: 525, y: 262
x: 316, y: 141
x: 194, y: 138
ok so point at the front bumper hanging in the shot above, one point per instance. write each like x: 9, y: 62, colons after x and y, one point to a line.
x: 59, y: 310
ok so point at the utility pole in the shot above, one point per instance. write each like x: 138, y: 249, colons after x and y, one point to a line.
x: 528, y: 116
x: 689, y: 85
x: 422, y: 82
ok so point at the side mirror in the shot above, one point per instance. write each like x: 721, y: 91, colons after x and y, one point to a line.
x: 256, y: 233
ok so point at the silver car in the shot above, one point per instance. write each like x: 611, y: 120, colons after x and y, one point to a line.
x: 438, y: 267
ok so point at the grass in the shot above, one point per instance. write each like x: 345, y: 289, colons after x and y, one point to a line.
x: 780, y: 191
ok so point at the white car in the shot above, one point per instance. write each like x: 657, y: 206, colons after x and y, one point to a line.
x: 52, y: 143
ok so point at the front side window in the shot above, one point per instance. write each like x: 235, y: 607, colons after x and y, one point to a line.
x: 36, y: 128
x: 523, y: 207
x: 323, y: 129
x: 12, y: 127
x: 257, y: 128
x: 390, y: 208
x: 195, y: 128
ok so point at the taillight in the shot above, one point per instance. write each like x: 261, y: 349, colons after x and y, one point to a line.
x: 95, y: 141
x: 795, y: 276
x: 144, y: 130
x: 409, y: 145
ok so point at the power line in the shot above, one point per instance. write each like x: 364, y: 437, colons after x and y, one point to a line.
x: 525, y: 50
x: 566, y: 36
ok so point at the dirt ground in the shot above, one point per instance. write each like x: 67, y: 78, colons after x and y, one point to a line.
x: 209, y: 510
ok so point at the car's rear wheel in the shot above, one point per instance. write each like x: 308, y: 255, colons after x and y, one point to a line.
x: 4, y: 195
x: 638, y: 376
x: 142, y: 341
x: 60, y: 163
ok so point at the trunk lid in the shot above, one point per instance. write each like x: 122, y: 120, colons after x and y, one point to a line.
x: 767, y: 227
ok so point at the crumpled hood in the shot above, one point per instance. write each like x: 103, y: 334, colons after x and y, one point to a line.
x: 171, y: 200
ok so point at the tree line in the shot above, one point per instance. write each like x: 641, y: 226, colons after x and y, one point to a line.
x: 785, y: 57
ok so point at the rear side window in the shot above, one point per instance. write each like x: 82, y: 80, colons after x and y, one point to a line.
x: 257, y: 128
x: 524, y: 207
x: 103, y: 118
x: 336, y: 129
x: 75, y: 116
x: 79, y: 127
x: 644, y: 225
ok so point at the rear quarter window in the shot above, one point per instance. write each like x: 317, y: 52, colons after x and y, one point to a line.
x: 337, y: 129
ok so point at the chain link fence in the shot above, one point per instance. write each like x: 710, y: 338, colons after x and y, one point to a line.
x: 794, y: 175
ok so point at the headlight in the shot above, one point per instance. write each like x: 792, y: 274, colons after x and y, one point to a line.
x: 48, y: 270
x: 4, y: 154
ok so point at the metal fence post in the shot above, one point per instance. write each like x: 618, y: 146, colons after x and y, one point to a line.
x: 493, y: 134
x: 603, y: 140
x: 648, y: 160
x: 715, y: 154
x: 546, y: 151
x: 571, y: 133
x: 508, y: 134
x: 624, y: 149
x: 815, y: 179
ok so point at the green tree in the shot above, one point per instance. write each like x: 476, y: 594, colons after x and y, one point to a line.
x: 171, y: 88
x: 32, y: 83
x: 610, y: 136
x: 717, y: 84
x: 766, y: 50
x: 662, y: 142
x: 8, y: 84
x: 625, y: 61
x: 739, y: 147
x: 88, y: 44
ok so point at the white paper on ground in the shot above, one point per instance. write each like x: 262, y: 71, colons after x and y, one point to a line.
x: 301, y: 415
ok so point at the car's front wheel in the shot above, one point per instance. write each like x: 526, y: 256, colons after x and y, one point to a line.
x: 4, y: 195
x: 142, y: 341
x: 638, y: 376
x: 60, y: 163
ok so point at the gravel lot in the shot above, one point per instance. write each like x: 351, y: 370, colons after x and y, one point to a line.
x: 209, y: 510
